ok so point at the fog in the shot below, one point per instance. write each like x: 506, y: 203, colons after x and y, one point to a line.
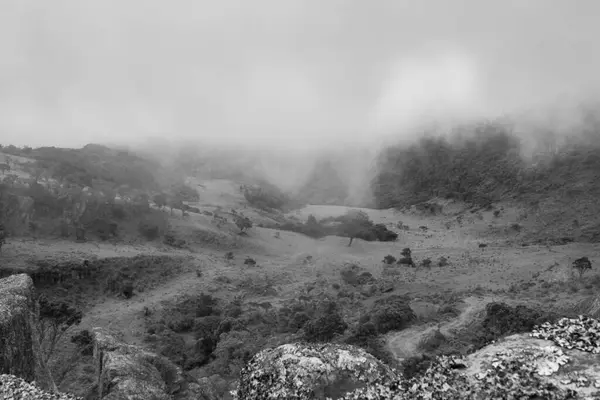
x: 283, y: 74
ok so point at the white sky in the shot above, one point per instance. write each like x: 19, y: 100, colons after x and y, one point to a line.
x: 281, y: 72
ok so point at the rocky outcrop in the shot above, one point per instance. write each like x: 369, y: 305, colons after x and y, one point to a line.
x: 555, y: 361
x: 127, y: 372
x: 17, y: 326
x: 15, y: 388
x: 20, y: 360
x: 310, y: 371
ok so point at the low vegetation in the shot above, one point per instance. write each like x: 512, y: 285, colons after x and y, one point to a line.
x: 246, y: 300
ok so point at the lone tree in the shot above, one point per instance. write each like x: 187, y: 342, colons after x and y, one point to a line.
x: 581, y: 265
x: 243, y: 223
x: 406, y: 257
x: 355, y: 224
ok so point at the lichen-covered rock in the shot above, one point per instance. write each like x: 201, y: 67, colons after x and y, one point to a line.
x: 15, y: 388
x: 17, y: 319
x: 127, y: 372
x: 310, y: 371
x: 522, y: 366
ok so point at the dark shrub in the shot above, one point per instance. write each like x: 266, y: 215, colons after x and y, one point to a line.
x: 326, y: 325
x: 389, y: 259
x: 172, y: 240
x: 502, y: 320
x: 178, y: 322
x: 298, y: 321
x: 148, y: 230
x: 351, y: 276
x: 207, y: 326
x: 205, y: 305
x: 383, y: 234
x: 392, y: 313
x: 414, y: 367
x: 172, y: 346
x: 128, y: 289
x: 84, y: 341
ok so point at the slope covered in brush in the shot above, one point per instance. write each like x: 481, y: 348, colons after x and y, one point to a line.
x: 484, y: 163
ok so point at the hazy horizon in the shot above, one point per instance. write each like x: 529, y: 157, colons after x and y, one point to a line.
x: 282, y: 74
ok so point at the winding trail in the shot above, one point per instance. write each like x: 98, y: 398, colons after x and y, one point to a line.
x: 405, y: 344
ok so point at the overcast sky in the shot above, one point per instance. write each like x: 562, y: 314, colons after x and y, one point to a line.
x: 284, y: 72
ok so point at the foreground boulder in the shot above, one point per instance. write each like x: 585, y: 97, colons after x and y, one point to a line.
x: 127, y: 372
x: 15, y: 388
x: 310, y: 371
x: 554, y: 361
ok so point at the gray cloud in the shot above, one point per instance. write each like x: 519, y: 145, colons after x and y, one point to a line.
x: 292, y: 72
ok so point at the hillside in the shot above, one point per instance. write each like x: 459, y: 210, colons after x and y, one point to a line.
x: 484, y: 165
x: 184, y: 277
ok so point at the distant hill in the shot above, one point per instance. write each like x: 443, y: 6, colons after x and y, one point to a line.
x: 97, y: 162
x: 324, y: 186
x: 558, y: 190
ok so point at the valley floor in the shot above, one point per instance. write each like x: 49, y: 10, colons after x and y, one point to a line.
x: 504, y: 270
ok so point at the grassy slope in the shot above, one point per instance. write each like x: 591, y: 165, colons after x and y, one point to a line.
x: 533, y: 274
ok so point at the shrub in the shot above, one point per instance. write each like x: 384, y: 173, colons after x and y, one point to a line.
x: 362, y: 333
x: 392, y: 313
x: 233, y: 351
x: 351, y: 276
x: 389, y: 259
x: 149, y: 230
x: 185, y: 192
x: 171, y: 240
x: 207, y: 326
x: 414, y: 367
x: 266, y: 196
x: 84, y: 341
x: 502, y: 320
x: 406, y: 261
x: 311, y: 228
x: 383, y: 234
x: 298, y: 321
x: 326, y: 325
x: 127, y: 289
